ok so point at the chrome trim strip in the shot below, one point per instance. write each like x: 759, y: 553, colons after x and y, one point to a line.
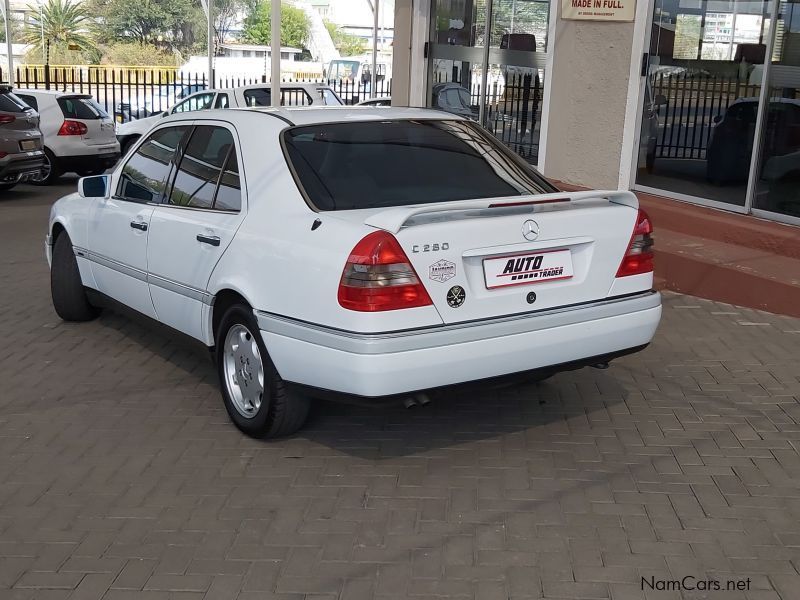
x: 162, y: 282
x: 443, y: 335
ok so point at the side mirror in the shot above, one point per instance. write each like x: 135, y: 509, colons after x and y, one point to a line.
x: 165, y: 113
x: 717, y: 118
x: 660, y: 100
x: 95, y: 186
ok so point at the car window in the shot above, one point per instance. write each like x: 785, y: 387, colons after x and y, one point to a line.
x: 229, y: 194
x: 222, y: 101
x: 366, y: 165
x: 289, y: 97
x: 76, y: 107
x: 144, y: 176
x: 9, y: 102
x: 328, y: 97
x: 201, y: 168
x: 258, y: 97
x: 464, y: 99
x: 27, y: 99
x: 197, y: 102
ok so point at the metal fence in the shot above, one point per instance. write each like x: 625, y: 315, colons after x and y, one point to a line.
x: 134, y: 93
x: 693, y: 103
x: 513, y: 108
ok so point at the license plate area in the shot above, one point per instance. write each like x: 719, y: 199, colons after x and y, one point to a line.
x: 528, y: 268
x: 27, y: 145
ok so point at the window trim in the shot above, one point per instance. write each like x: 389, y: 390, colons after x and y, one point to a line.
x: 494, y: 142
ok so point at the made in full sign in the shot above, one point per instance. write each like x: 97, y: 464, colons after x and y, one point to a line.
x: 597, y: 4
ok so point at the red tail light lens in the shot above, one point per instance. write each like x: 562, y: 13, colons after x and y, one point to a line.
x: 73, y: 128
x: 4, y: 119
x: 378, y: 276
x: 638, y: 258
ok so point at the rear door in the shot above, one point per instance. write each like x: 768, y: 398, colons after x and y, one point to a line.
x: 193, y: 227
x: 99, y: 125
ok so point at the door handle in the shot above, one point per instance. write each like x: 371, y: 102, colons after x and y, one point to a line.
x: 211, y: 240
x: 140, y: 225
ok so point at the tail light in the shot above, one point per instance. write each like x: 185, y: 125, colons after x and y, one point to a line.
x: 378, y: 276
x: 638, y: 258
x: 5, y: 119
x: 69, y: 127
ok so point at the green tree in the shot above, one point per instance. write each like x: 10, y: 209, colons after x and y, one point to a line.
x: 144, y: 21
x: 65, y: 24
x: 346, y: 43
x: 295, y: 25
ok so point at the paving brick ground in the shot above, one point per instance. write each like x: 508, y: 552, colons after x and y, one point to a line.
x: 122, y: 479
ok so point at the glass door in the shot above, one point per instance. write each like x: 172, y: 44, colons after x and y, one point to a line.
x: 701, y: 96
x: 496, y: 79
x: 777, y: 185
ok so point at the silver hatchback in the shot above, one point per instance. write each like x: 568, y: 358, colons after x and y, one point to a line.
x: 21, y: 154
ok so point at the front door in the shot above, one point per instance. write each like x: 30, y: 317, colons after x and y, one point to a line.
x: 119, y: 230
x: 190, y: 231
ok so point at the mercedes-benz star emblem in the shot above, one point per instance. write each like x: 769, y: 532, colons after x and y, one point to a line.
x: 530, y: 230
x: 456, y: 296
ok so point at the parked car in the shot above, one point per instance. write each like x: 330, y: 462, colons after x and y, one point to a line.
x: 156, y: 100
x: 296, y: 245
x: 78, y: 133
x: 455, y: 99
x: 21, y: 154
x: 731, y: 146
x: 650, y: 128
x: 293, y: 94
x: 384, y: 101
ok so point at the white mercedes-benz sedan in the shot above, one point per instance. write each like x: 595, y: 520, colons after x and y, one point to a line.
x: 375, y: 253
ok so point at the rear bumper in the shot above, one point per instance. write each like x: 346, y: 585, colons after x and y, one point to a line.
x: 89, y: 162
x: 20, y: 166
x: 374, y: 365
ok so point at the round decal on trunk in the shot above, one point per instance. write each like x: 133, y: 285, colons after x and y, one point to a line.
x: 456, y: 296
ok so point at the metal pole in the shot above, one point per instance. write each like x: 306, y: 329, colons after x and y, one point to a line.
x: 210, y: 44
x: 487, y: 39
x: 275, y: 49
x: 9, y: 48
x: 41, y: 25
x: 374, y: 82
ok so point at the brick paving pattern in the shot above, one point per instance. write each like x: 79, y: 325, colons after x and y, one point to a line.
x: 121, y: 477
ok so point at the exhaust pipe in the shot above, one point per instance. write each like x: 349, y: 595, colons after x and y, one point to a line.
x: 420, y: 399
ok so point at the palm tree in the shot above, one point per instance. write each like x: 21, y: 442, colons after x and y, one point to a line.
x: 64, y: 23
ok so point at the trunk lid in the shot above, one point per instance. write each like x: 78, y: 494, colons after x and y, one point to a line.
x: 565, y: 248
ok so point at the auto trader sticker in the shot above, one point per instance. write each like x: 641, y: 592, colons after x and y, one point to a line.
x: 442, y: 270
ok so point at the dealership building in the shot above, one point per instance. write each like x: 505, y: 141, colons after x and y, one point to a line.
x: 693, y: 100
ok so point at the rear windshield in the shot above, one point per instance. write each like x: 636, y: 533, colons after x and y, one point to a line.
x: 289, y: 97
x: 79, y: 107
x: 10, y: 102
x: 344, y: 166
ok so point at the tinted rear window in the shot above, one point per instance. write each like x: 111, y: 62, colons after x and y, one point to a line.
x: 81, y: 108
x: 345, y: 166
x: 9, y: 102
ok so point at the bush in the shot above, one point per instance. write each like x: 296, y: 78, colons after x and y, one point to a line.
x: 136, y: 54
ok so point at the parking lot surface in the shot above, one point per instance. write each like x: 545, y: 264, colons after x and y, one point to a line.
x: 121, y: 477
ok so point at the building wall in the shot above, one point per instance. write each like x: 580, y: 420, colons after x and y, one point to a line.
x: 588, y: 87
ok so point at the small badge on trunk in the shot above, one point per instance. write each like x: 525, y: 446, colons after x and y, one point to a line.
x: 442, y: 270
x: 456, y: 296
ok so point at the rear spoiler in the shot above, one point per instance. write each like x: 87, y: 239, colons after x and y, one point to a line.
x: 393, y: 219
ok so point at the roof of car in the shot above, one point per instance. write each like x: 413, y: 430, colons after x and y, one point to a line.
x: 56, y: 93
x: 336, y: 114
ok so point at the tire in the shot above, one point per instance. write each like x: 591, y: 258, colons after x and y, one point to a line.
x: 265, y: 407
x: 50, y: 172
x: 66, y: 287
